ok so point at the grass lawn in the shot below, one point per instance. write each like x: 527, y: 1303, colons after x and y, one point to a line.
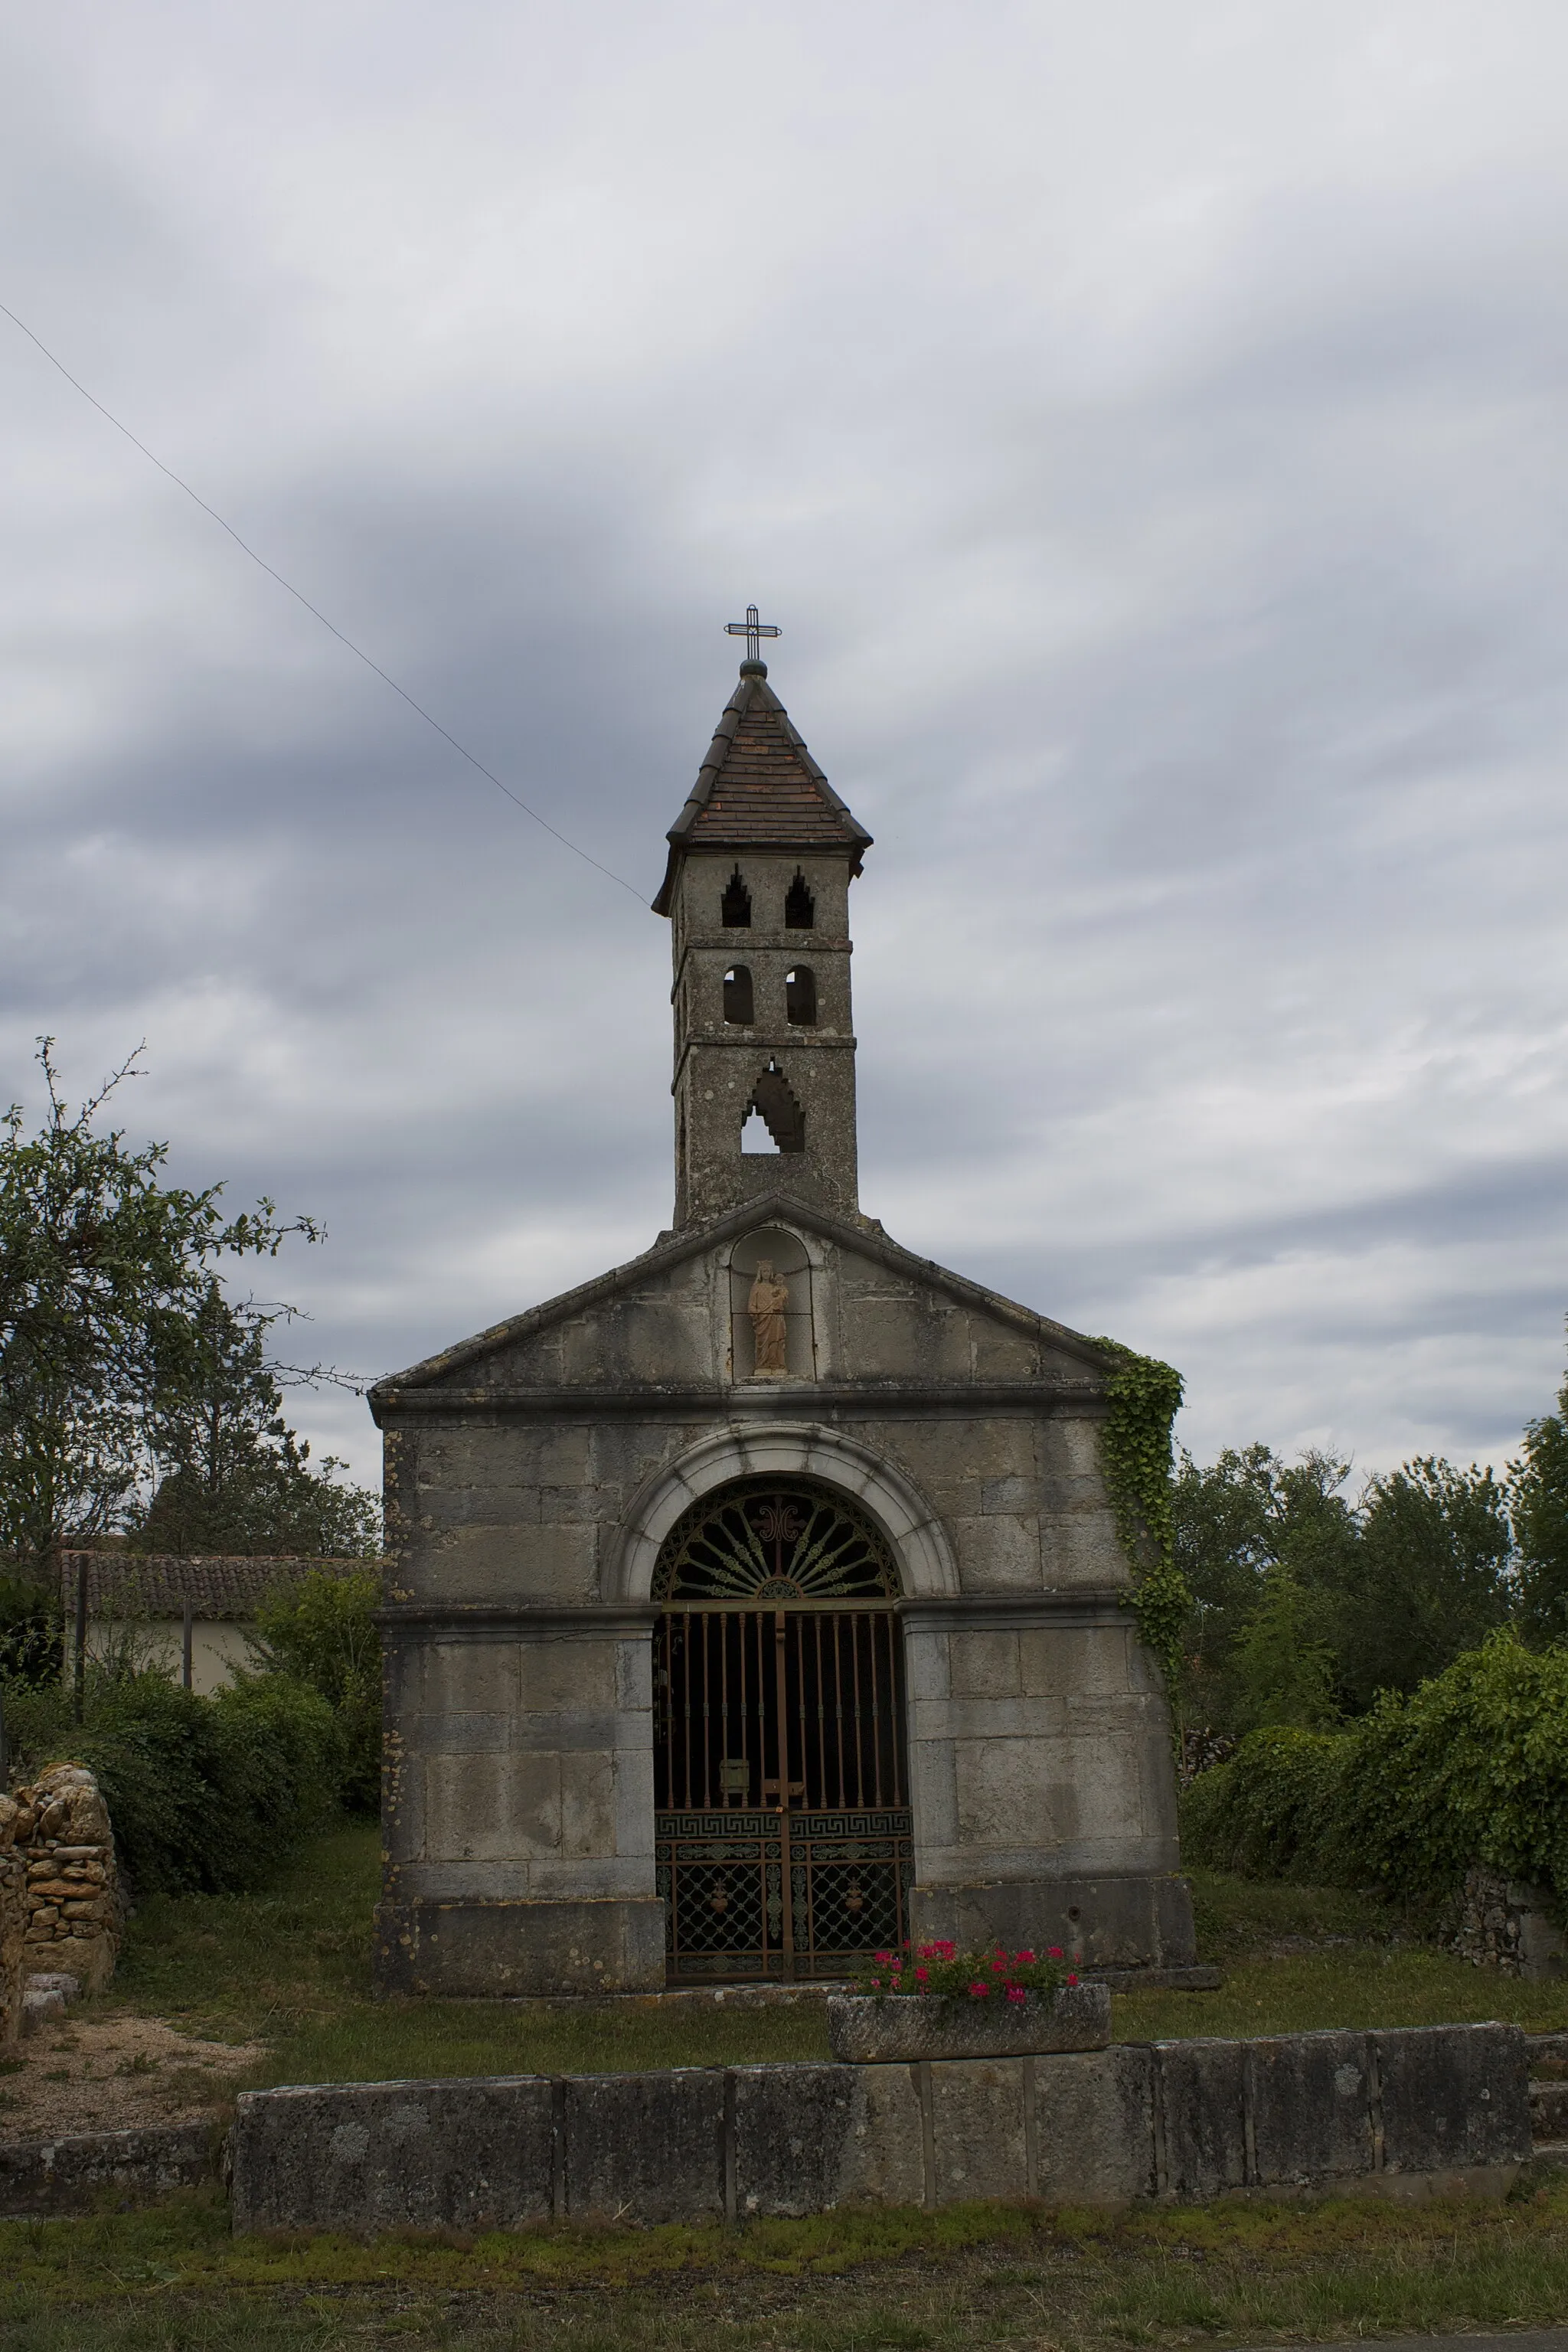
x: 291, y: 1968
x: 970, y: 2276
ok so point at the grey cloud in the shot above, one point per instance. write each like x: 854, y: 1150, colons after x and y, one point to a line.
x: 1157, y: 470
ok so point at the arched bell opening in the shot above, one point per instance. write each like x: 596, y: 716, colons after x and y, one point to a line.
x: 783, y: 1835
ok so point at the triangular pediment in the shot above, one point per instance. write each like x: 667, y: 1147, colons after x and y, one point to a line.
x: 561, y: 1343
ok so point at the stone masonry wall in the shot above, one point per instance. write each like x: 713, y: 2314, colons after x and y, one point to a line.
x: 61, y: 1831
x: 13, y: 1922
x: 1500, y: 1924
x: 1424, y: 2108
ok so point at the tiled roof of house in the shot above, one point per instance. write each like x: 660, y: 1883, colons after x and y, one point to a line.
x: 759, y: 784
x: 158, y: 1584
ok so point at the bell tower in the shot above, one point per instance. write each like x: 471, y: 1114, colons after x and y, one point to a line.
x: 757, y: 891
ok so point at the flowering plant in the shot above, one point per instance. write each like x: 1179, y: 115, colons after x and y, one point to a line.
x: 942, y: 1972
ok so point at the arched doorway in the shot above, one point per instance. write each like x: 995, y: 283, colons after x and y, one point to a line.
x: 784, y: 1840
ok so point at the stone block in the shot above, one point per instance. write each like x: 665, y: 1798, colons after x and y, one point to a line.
x: 633, y: 1678
x: 474, y: 1949
x: 1200, y: 2090
x: 984, y: 1664
x: 794, y: 2137
x: 587, y: 1804
x: 634, y: 1801
x: 491, y: 1806
x: 559, y: 1677
x: 473, y: 1677
x: 1076, y: 1660
x: 1081, y: 1547
x: 1549, y: 2111
x: 998, y: 1354
x: 1010, y: 1493
x: 998, y: 1554
x: 978, y: 2136
x: 1137, y: 1919
x: 1311, y: 2100
x: 1094, y: 2125
x: 1452, y: 2096
x: 473, y: 2154
x: 78, y: 2172
x: 863, y: 2031
x: 646, y: 2147
x: 885, y: 2163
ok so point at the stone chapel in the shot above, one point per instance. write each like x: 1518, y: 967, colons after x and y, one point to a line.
x: 760, y: 1603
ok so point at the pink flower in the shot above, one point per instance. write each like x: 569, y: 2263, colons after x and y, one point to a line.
x: 922, y: 1974
x: 1055, y: 1952
x: 881, y: 1959
x: 998, y: 1963
x: 1016, y: 1992
x: 876, y: 1984
x: 979, y: 1992
x: 1072, y: 1981
x: 1023, y: 1959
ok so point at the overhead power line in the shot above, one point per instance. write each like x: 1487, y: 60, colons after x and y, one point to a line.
x: 316, y: 613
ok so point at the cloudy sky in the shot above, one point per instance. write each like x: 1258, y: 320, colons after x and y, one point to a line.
x: 1146, y: 424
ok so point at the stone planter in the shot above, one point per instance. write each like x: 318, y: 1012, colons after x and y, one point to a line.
x: 867, y: 2032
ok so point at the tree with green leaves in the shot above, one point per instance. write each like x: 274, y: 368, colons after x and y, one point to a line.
x: 322, y: 1631
x: 228, y: 1473
x: 1266, y: 1546
x: 1538, y: 1501
x: 109, y: 1276
x: 1433, y: 1576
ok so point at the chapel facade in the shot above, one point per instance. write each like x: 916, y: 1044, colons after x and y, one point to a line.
x: 760, y: 1604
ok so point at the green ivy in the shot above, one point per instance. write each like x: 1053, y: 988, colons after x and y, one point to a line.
x: 1135, y: 1450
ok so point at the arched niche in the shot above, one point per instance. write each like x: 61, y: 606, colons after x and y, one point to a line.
x: 776, y: 1247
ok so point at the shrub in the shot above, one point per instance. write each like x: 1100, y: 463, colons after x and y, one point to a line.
x: 1273, y: 1810
x: 30, y: 1649
x: 1473, y: 1766
x: 322, y: 1631
x: 205, y: 1794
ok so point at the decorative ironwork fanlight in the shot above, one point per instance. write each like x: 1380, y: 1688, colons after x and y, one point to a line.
x: 773, y: 1542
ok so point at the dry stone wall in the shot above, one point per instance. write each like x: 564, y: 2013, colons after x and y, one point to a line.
x: 1499, y: 1923
x: 60, y: 1831
x: 13, y: 1921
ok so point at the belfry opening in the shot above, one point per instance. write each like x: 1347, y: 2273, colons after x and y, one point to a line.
x: 783, y: 1834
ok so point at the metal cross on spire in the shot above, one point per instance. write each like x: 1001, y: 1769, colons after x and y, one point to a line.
x: 753, y: 630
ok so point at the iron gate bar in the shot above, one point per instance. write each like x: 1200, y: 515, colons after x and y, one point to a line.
x: 818, y: 1873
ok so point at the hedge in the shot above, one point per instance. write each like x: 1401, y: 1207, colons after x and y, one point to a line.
x: 1471, y: 1766
x: 205, y: 1794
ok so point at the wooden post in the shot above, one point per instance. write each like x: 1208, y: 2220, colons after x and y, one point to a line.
x: 186, y: 1647
x: 80, y: 1691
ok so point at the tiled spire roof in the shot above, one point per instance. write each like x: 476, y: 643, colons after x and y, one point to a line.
x: 759, y: 786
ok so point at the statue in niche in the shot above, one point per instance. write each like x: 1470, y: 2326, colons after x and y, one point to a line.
x: 767, y: 1306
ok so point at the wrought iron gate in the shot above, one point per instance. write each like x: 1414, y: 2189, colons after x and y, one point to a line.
x: 783, y: 1833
